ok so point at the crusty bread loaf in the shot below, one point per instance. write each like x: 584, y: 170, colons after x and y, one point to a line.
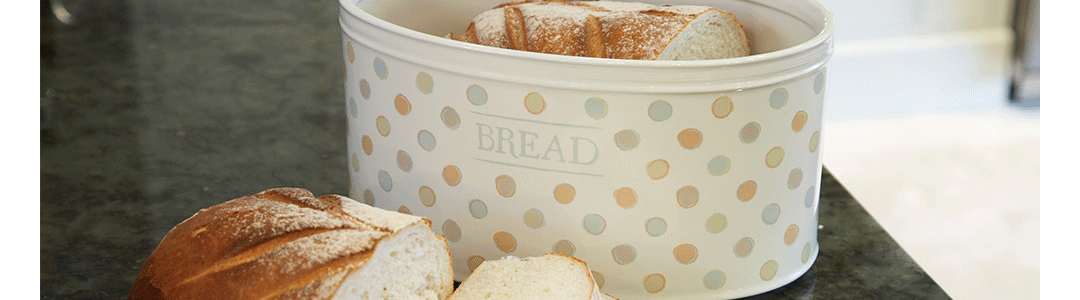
x: 287, y: 244
x: 608, y: 29
x: 551, y: 276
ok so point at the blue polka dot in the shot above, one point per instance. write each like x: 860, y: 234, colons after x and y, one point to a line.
x: 714, y: 279
x: 380, y: 68
x: 778, y: 98
x: 596, y: 108
x: 719, y: 165
x: 819, y: 82
x: 771, y: 213
x: 352, y: 108
x: 384, y: 181
x: 660, y: 111
x: 810, y: 197
x: 477, y: 95
x: 426, y: 140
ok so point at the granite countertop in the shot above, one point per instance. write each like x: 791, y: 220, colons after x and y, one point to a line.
x: 151, y: 110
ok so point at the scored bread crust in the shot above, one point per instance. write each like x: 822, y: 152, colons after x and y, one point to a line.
x: 603, y: 29
x: 281, y: 243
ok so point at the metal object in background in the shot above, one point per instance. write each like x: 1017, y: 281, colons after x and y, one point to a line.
x: 1024, y: 91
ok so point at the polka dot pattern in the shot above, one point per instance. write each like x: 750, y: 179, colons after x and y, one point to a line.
x: 478, y: 209
x: 596, y: 108
x: 625, y: 197
x: 624, y: 254
x: 534, y: 103
x: 722, y: 107
x: 654, y: 283
x: 687, y: 196
x: 656, y: 226
x: 505, y: 185
x: 660, y: 111
x: 564, y: 247
x: 505, y: 241
x: 564, y: 193
x: 426, y: 196
x: 746, y: 128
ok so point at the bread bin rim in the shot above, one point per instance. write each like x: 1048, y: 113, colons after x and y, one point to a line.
x: 636, y: 76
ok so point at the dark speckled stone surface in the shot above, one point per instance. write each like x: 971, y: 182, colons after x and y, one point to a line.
x: 151, y: 110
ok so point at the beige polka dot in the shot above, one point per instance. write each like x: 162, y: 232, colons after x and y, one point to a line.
x: 404, y: 161
x: 533, y: 218
x: 626, y: 197
x: 794, y: 178
x: 505, y: 241
x: 685, y: 253
x: 814, y: 139
x: 747, y: 190
x: 427, y: 196
x: 564, y: 193
x: 722, y: 107
x: 365, y: 143
x: 768, y: 270
x: 474, y: 261
x: 806, y: 252
x: 626, y: 139
x: 774, y: 157
x: 402, y: 104
x: 355, y: 163
x: 654, y: 283
x: 689, y: 138
x: 799, y: 121
x: 365, y: 88
x: 744, y: 246
x: 563, y: 247
x: 352, y: 55
x: 687, y: 196
x: 623, y: 254
x: 382, y: 125
x: 534, y: 103
x: 424, y: 82
x: 450, y: 117
x: 657, y: 169
x: 369, y: 197
x: 451, y: 175
x: 404, y: 210
x: 599, y: 279
x: 716, y: 223
x: 750, y: 132
x: 791, y: 234
x: 505, y: 185
x: 451, y: 231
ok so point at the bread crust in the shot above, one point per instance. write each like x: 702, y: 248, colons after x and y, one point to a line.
x: 281, y: 243
x: 601, y: 29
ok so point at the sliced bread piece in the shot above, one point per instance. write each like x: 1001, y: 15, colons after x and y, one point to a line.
x: 551, y: 276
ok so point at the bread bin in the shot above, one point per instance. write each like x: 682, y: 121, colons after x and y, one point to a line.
x: 671, y: 179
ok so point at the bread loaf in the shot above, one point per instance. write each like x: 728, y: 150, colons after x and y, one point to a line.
x: 608, y: 29
x: 286, y: 244
x: 551, y: 276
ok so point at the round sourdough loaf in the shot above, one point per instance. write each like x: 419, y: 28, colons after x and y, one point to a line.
x: 609, y: 29
x: 286, y: 244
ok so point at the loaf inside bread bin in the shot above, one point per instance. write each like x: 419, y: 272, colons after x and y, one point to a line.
x: 610, y: 29
x: 287, y: 244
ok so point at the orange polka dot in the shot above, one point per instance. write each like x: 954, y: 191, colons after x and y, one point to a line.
x: 564, y: 193
x: 626, y: 197
x: 799, y: 121
x: 451, y: 175
x: 685, y: 253
x: 689, y: 138
x: 402, y: 104
x: 747, y: 190
x: 365, y: 143
x: 791, y: 234
x: 474, y: 262
x: 505, y: 241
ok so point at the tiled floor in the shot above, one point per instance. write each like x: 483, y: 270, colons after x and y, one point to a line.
x: 960, y: 192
